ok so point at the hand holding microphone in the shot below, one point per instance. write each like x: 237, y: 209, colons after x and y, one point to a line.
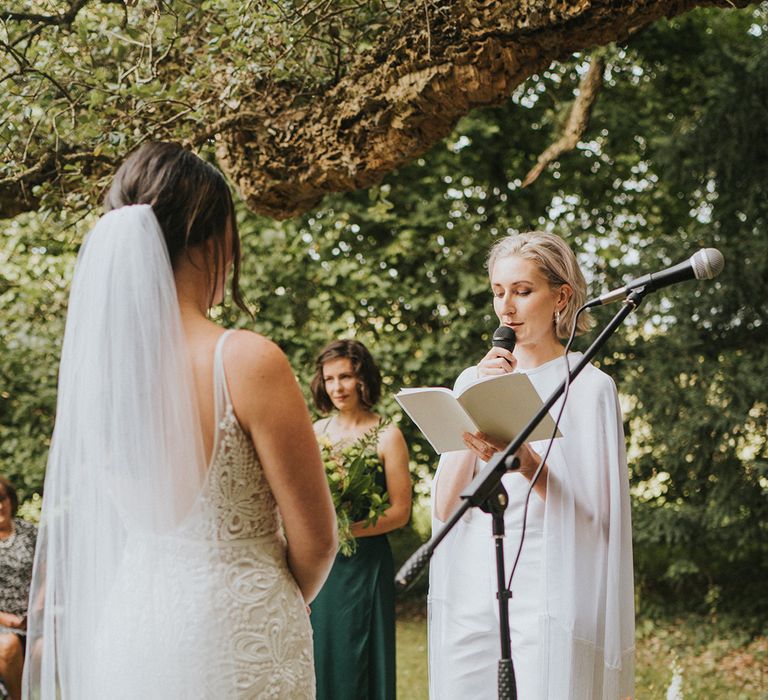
x: 499, y: 359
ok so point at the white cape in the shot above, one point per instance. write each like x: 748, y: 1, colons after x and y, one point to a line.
x: 581, y: 612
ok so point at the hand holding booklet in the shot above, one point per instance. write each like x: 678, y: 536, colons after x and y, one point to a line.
x: 500, y: 406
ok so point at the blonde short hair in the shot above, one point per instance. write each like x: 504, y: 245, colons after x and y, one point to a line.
x: 556, y: 261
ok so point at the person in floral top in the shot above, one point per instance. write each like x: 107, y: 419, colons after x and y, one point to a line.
x: 17, y: 552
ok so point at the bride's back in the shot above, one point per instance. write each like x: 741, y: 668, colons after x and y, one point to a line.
x: 158, y: 438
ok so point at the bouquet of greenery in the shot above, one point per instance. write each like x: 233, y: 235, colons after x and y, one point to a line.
x: 351, y: 473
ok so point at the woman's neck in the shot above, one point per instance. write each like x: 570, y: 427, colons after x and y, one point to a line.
x: 532, y: 356
x: 192, y: 301
x: 6, y: 528
x: 353, y: 419
x: 192, y: 284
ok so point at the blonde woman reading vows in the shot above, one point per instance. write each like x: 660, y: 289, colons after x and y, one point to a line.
x: 186, y: 520
x: 572, y: 610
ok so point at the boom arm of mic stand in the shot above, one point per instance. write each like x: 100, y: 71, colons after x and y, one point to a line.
x: 486, y: 480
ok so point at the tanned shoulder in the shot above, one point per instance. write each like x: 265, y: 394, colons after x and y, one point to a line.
x: 251, y: 355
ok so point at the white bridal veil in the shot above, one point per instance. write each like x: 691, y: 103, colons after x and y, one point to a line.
x: 121, y: 604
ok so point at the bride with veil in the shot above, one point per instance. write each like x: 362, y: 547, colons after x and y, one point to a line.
x: 186, y: 518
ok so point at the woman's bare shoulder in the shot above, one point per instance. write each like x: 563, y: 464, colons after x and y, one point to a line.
x: 251, y: 354
x: 391, y: 437
x: 262, y: 385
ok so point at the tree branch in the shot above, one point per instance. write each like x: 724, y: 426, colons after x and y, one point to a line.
x: 399, y: 99
x: 16, y: 192
x: 42, y: 21
x: 65, y: 18
x: 290, y: 142
x: 577, y: 121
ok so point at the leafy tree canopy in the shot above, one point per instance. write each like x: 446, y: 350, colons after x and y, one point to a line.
x: 673, y: 159
x: 301, y: 98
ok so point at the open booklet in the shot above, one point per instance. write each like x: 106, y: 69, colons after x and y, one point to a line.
x: 500, y: 406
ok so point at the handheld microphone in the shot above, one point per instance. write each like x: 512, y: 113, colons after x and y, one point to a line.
x: 504, y: 337
x: 702, y: 265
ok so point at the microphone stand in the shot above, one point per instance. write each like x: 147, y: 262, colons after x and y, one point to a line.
x: 487, y: 493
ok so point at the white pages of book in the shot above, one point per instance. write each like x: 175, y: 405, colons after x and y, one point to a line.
x: 499, y: 405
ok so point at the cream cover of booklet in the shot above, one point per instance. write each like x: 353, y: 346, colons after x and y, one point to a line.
x: 500, y: 405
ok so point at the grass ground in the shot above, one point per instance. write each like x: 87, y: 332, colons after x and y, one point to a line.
x: 676, y: 660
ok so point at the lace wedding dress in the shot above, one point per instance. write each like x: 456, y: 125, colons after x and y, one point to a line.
x: 271, y: 633
x: 263, y: 640
x: 158, y: 574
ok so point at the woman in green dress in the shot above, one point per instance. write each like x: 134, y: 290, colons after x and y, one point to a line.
x: 353, y: 616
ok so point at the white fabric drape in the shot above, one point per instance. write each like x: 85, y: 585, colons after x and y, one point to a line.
x: 120, y: 605
x: 573, y: 591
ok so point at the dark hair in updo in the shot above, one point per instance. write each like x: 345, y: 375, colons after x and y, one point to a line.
x: 190, y: 199
x: 368, y: 375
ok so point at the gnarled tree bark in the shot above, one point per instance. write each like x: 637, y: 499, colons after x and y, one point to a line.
x: 437, y: 60
x: 409, y: 92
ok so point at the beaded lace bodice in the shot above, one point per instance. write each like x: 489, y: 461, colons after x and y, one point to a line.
x: 237, y: 489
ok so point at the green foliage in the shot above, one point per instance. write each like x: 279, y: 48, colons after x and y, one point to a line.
x: 116, y: 74
x: 674, y: 159
x: 357, y: 491
x: 699, y: 367
x: 36, y: 263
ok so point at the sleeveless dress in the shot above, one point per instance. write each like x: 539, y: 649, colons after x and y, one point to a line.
x: 243, y: 606
x: 353, y: 620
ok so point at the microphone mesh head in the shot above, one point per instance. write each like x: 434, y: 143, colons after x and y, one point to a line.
x: 707, y: 263
x: 504, y: 337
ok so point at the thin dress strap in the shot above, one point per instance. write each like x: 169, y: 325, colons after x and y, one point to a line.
x: 326, y: 425
x: 220, y: 389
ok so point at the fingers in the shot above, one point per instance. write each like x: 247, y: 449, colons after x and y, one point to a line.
x: 492, y: 442
x: 497, y: 361
x: 529, y: 459
x: 500, y: 354
x: 491, y: 371
x: 481, y: 446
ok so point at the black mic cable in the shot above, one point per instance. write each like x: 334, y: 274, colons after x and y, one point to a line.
x: 537, y: 473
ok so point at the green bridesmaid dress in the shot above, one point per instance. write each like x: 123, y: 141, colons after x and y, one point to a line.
x: 353, y: 621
